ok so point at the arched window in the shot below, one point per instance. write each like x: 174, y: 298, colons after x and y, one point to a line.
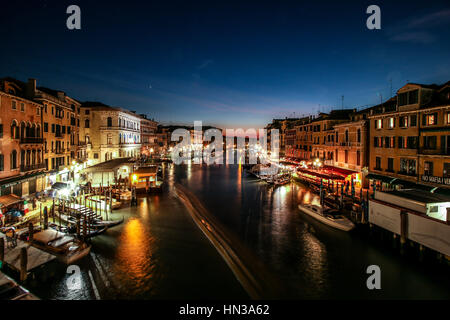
x: 23, y: 130
x: 38, y: 131
x: 13, y: 159
x: 28, y: 159
x: 22, y: 157
x: 109, y: 122
x: 33, y: 130
x: 14, y: 130
x: 29, y: 131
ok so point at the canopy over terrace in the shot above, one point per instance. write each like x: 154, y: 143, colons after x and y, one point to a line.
x: 9, y: 200
x: 109, y: 172
x: 323, y: 174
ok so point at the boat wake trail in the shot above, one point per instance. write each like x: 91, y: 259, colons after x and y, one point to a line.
x: 255, y: 279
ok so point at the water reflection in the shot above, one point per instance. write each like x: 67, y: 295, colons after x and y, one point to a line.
x: 311, y: 259
x: 135, y: 261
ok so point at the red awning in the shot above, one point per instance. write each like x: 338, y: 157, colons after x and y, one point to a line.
x: 320, y: 174
x: 341, y: 171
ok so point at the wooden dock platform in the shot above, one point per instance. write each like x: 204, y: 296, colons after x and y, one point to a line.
x: 10, y: 290
x: 35, y: 256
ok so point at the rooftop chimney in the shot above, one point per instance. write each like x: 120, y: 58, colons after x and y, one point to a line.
x: 61, y: 95
x: 30, y: 88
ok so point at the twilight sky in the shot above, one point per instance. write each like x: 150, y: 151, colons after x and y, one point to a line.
x: 228, y: 63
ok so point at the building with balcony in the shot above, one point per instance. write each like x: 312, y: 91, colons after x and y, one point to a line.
x: 57, y: 111
x: 408, y: 137
x: 109, y: 132
x: 149, y: 137
x: 21, y: 140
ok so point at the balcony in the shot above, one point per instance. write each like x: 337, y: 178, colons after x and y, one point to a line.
x: 120, y: 128
x: 31, y: 140
x: 435, y: 151
x: 26, y: 168
x: 350, y: 144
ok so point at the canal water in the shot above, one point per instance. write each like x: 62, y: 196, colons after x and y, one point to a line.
x: 158, y: 252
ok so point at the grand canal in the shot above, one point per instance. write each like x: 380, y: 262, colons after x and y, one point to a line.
x: 158, y: 252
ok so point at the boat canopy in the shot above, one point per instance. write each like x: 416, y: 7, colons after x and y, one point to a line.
x: 47, y: 236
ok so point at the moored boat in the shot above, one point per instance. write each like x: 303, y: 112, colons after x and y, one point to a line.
x: 330, y: 217
x: 66, y: 248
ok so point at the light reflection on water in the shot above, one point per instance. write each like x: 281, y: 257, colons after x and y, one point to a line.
x: 135, y: 252
x: 159, y: 252
x: 311, y: 259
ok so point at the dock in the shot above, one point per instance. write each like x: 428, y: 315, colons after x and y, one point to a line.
x: 23, y: 257
x: 10, y: 290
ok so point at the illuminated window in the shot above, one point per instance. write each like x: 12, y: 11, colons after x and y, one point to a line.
x: 378, y: 123
x: 447, y: 117
x: 429, y: 119
x: 404, y: 122
x: 391, y: 123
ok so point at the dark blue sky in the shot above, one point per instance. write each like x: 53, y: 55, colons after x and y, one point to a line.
x: 234, y: 64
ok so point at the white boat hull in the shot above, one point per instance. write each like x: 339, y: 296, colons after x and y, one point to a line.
x: 342, y: 224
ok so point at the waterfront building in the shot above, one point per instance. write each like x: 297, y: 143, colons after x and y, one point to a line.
x: 163, y: 139
x: 408, y: 138
x: 304, y: 138
x: 348, y: 146
x: 59, y: 130
x: 323, y: 134
x: 290, y: 143
x: 434, y: 132
x: 21, y: 143
x: 149, y: 137
x: 283, y: 125
x: 109, y: 132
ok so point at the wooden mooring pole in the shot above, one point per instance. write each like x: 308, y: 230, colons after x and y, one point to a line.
x: 45, y: 217
x: 30, y: 231
x: 53, y: 211
x: 23, y: 264
x: 2, y: 251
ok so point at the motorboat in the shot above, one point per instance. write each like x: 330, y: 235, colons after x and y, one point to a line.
x: 66, y: 248
x: 72, y: 229
x: 328, y: 216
